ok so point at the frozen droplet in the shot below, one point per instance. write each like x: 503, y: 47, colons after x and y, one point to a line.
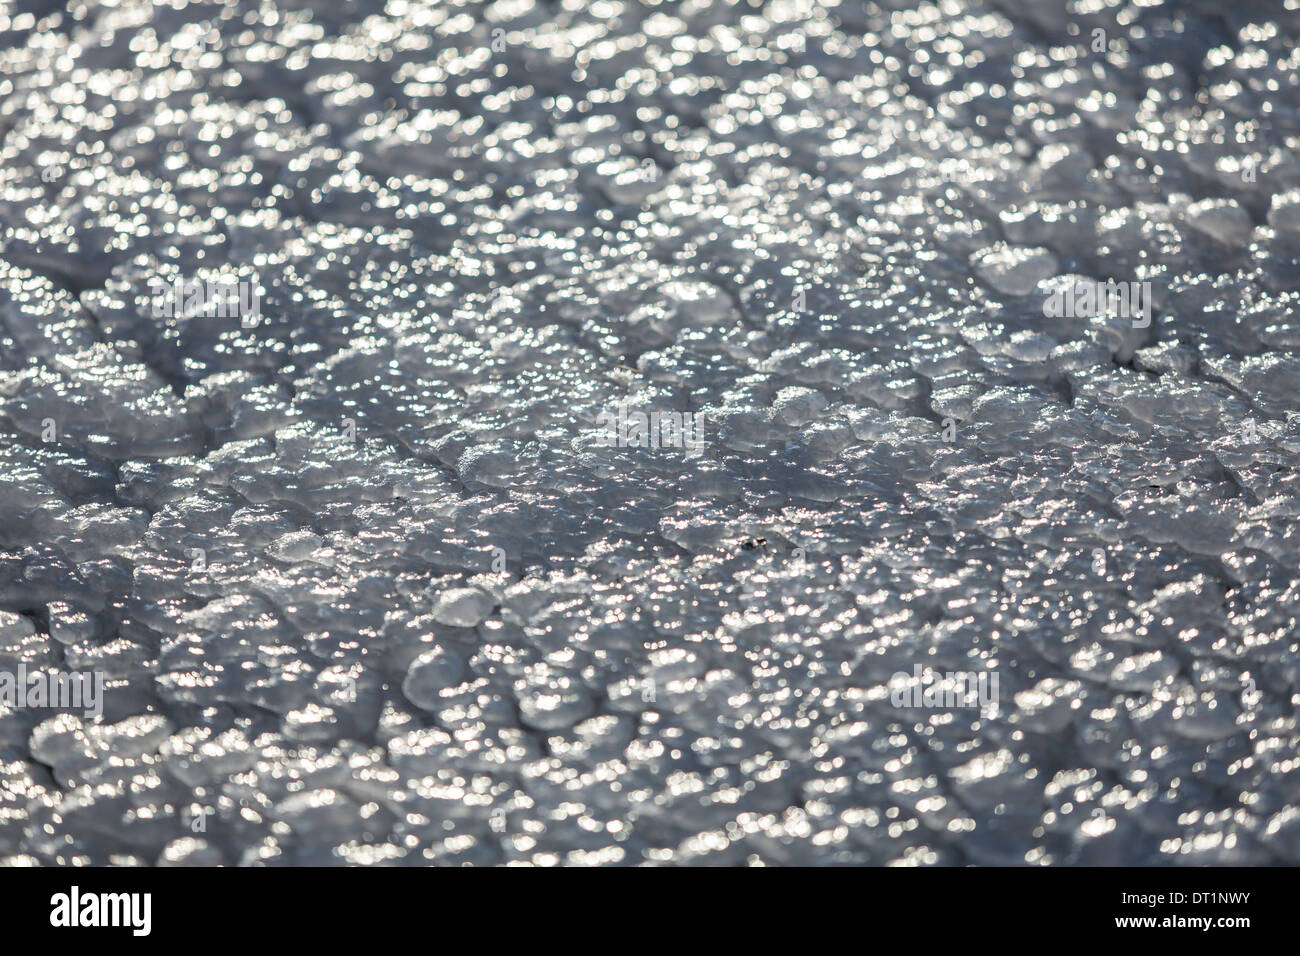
x: 1221, y: 219
x: 462, y: 607
x: 430, y: 674
x: 1014, y: 270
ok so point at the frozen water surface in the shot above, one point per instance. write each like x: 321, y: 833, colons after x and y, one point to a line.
x: 632, y: 417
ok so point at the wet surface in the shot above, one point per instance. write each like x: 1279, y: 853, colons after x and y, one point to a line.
x: 364, y: 576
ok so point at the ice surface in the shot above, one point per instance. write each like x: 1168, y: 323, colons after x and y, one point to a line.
x: 637, y: 397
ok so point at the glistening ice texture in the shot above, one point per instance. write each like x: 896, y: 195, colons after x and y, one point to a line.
x: 367, y: 583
